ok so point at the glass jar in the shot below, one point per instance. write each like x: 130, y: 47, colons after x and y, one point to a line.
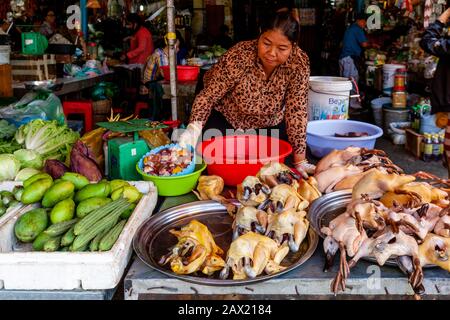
x: 399, y: 99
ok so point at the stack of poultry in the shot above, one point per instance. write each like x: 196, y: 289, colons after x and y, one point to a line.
x: 342, y: 169
x: 270, y: 222
x: 392, y: 216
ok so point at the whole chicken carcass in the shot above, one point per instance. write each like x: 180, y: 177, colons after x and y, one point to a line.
x: 308, y: 189
x: 251, y: 254
x: 435, y: 250
x: 337, y: 158
x: 249, y: 219
x: 328, y: 179
x: 372, y: 213
x: 346, y: 230
x: 289, y: 226
x: 350, y: 181
x: 442, y: 227
x: 195, y: 251
x: 252, y: 192
x: 210, y: 188
x: 274, y: 173
x: 376, y: 184
x: 284, y: 197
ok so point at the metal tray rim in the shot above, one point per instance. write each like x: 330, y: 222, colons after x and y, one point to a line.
x: 213, y: 205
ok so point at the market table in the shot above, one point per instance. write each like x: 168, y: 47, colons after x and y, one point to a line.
x: 70, y: 85
x: 366, y: 281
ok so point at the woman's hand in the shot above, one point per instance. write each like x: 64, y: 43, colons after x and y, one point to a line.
x: 190, y: 135
x: 303, y: 166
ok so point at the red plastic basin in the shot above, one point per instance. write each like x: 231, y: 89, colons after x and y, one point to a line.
x: 184, y: 73
x: 235, y: 157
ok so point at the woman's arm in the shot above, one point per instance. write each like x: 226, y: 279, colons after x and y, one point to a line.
x: 433, y: 41
x: 218, y: 81
x: 296, y: 115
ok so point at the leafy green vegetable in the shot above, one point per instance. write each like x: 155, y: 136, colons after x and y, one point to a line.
x: 29, y: 159
x: 50, y: 140
x: 7, y: 146
x: 7, y: 130
x: 9, y: 167
x: 26, y: 173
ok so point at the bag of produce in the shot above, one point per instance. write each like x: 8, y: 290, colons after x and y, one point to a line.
x: 38, y: 104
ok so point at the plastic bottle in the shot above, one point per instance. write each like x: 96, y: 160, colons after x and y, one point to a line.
x: 436, y: 152
x: 427, y: 148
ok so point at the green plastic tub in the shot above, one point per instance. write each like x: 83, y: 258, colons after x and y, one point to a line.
x: 175, y: 185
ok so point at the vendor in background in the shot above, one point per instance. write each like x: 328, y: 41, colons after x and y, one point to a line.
x: 436, y: 41
x: 141, y: 42
x: 48, y: 27
x: 224, y: 40
x: 350, y: 60
x: 258, y: 84
x: 152, y: 69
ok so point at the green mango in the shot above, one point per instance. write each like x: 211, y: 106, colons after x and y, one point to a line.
x: 118, y: 183
x: 77, y: 179
x: 58, y: 192
x: 63, y: 211
x: 36, y: 177
x: 101, y: 189
x: 35, y: 191
x: 87, y: 206
x: 31, y: 224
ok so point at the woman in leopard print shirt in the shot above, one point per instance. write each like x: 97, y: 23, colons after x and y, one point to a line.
x: 259, y: 84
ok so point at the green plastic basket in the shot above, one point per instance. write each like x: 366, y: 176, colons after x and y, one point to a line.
x: 174, y: 185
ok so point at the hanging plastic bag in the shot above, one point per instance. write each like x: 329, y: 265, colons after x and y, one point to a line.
x: 38, y: 104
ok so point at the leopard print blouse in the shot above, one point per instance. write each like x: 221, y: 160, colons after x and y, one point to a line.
x: 237, y: 87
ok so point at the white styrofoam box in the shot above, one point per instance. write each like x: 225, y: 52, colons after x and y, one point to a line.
x: 23, y: 269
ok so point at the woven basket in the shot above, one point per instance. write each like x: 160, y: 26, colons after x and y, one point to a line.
x: 102, y: 107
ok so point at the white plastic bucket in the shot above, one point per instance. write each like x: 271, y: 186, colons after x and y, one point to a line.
x: 329, y: 98
x: 377, y: 109
x: 388, y: 76
x: 4, y: 54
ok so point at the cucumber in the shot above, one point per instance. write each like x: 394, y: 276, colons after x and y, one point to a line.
x: 39, y: 242
x: 52, y: 244
x: 68, y: 238
x: 111, y: 237
x: 87, y: 206
x: 60, y: 228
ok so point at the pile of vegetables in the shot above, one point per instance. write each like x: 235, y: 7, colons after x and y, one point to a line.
x: 9, y: 200
x: 23, y: 152
x: 75, y: 215
x: 7, y: 141
x: 47, y: 138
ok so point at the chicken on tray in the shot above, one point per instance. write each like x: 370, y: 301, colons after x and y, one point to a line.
x: 391, y: 216
x: 195, y: 251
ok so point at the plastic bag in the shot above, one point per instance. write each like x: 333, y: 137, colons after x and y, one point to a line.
x: 94, y: 141
x: 38, y: 104
x: 155, y: 138
x: 104, y: 91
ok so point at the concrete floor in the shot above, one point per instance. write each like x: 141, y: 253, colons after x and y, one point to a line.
x: 408, y: 162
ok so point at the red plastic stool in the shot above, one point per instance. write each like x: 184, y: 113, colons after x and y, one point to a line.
x: 140, y: 105
x: 80, y: 107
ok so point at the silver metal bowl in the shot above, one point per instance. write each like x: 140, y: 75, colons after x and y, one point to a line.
x: 153, y: 240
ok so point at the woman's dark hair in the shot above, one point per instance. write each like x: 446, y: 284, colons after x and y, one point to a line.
x: 134, y: 18
x: 285, y: 22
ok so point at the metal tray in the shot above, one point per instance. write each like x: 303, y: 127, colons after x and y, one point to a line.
x: 153, y: 239
x: 328, y: 207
